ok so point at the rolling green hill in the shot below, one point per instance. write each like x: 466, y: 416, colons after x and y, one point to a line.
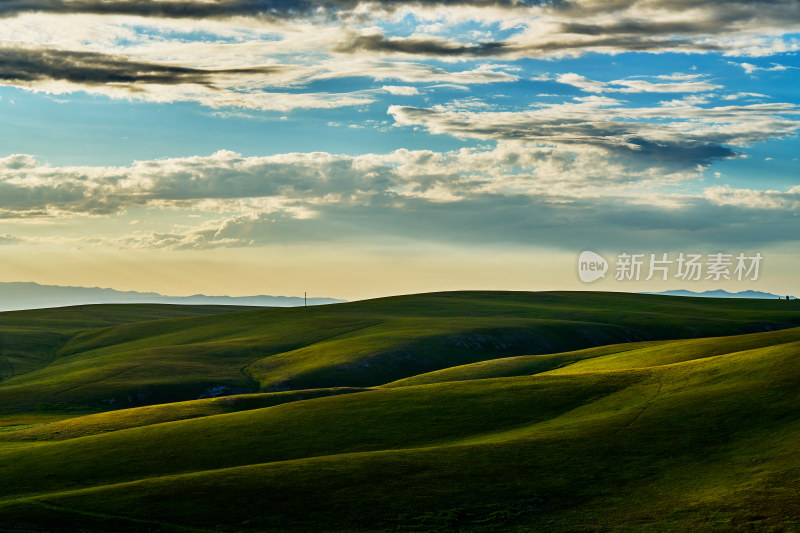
x: 611, y: 357
x: 105, y: 357
x: 31, y: 339
x: 442, y: 412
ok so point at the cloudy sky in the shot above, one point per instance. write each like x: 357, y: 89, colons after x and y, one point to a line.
x: 355, y: 149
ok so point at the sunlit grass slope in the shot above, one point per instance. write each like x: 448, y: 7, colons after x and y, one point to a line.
x: 97, y: 423
x: 30, y: 339
x: 611, y: 357
x: 694, y: 435
x: 107, y: 357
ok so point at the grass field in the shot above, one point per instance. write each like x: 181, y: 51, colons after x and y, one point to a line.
x: 438, y: 412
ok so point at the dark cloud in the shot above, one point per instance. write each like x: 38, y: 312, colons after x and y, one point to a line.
x: 716, y: 13
x: 616, y: 43
x: 417, y: 46
x: 692, y: 151
x: 43, y: 199
x: 220, y: 8
x: 721, y: 10
x: 712, y: 18
x: 607, y: 223
x: 628, y: 133
x: 91, y: 68
x: 156, y: 8
x: 613, y: 26
x: 442, y: 48
x: 570, y: 27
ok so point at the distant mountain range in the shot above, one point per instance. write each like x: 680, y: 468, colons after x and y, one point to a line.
x: 724, y: 294
x: 25, y: 295
x: 28, y: 295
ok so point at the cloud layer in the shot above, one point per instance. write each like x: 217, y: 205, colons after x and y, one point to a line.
x: 552, y: 156
x: 512, y: 194
x: 673, y: 137
x: 91, y: 68
x: 267, y: 45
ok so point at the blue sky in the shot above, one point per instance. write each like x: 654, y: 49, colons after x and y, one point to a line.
x: 315, y: 144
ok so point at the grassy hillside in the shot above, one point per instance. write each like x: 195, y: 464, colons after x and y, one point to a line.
x: 662, y: 433
x: 707, y: 443
x: 97, y: 423
x: 29, y: 340
x: 107, y: 357
x: 611, y: 357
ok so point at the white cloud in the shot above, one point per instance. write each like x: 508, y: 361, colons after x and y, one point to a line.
x: 403, y: 90
x: 749, y: 68
x: 633, y: 85
x: 739, y: 95
x: 507, y: 193
x: 679, y: 76
x: 754, y: 199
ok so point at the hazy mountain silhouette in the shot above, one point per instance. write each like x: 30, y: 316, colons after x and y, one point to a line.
x: 27, y: 295
x: 719, y: 293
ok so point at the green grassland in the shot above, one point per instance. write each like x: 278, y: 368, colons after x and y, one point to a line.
x: 441, y: 412
x: 126, y: 356
x: 30, y: 340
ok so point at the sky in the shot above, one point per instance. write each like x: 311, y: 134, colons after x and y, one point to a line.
x: 355, y: 149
